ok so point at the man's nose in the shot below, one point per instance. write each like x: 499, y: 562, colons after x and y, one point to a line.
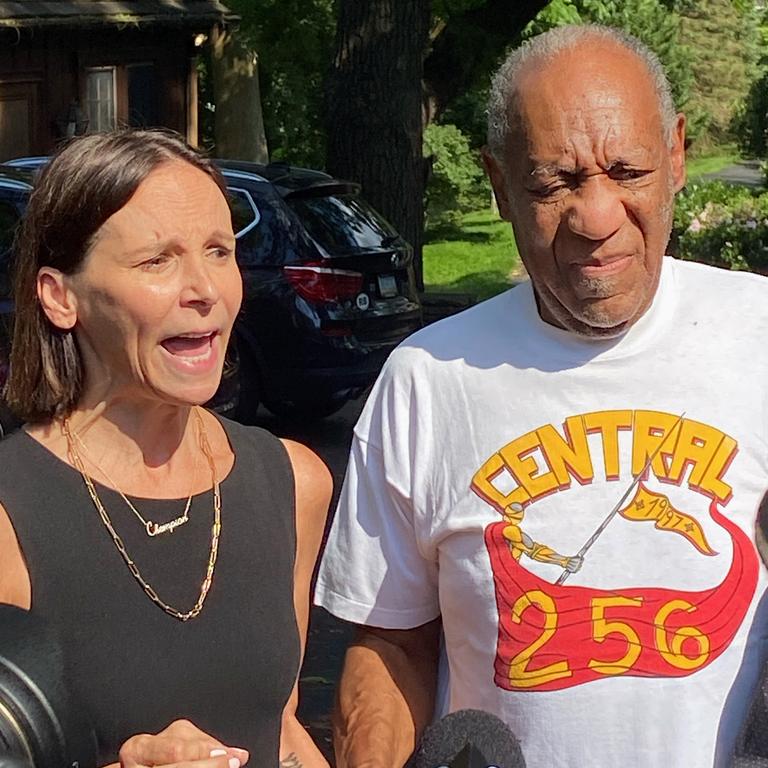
x: 596, y: 210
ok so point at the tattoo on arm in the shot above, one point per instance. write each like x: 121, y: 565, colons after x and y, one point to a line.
x: 291, y: 761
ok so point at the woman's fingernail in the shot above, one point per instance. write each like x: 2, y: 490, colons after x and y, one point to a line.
x: 218, y: 752
x: 234, y: 762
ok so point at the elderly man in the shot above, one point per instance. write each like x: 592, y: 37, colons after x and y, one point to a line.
x: 619, y: 399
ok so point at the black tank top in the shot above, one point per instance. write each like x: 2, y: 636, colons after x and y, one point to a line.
x: 133, y: 668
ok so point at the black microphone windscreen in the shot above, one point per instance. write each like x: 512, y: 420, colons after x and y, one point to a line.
x: 468, y: 738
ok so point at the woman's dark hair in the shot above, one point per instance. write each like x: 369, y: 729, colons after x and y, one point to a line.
x: 88, y: 180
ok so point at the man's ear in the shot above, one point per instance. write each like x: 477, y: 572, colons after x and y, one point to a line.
x: 498, y: 179
x: 677, y: 153
x: 56, y: 298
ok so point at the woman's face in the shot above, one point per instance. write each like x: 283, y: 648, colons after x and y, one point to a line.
x: 158, y: 292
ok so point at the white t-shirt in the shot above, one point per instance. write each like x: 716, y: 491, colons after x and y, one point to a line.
x: 494, y: 446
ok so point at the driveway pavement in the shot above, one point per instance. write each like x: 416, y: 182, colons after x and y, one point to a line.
x: 747, y: 173
x: 330, y: 439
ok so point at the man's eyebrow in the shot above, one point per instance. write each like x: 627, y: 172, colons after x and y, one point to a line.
x: 551, y: 169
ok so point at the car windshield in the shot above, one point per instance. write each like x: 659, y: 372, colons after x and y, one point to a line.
x: 343, y: 224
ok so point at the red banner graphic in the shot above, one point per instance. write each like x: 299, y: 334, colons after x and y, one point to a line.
x: 553, y: 637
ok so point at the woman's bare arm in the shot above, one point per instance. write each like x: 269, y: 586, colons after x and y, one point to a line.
x: 15, y: 587
x: 314, y: 488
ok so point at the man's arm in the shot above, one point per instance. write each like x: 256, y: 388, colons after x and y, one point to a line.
x: 386, y: 695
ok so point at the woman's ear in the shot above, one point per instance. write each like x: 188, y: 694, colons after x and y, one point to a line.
x: 56, y: 298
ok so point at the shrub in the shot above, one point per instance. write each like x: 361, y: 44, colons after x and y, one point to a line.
x: 456, y: 185
x: 719, y: 224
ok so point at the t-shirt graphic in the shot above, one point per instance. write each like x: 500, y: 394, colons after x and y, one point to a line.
x: 552, y: 635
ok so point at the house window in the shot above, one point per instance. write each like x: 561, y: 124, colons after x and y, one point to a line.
x: 100, y: 98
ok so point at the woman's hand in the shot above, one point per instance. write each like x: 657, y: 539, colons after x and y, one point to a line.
x: 181, y: 745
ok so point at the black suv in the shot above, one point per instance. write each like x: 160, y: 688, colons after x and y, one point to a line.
x: 15, y: 186
x: 328, y: 284
x: 329, y: 288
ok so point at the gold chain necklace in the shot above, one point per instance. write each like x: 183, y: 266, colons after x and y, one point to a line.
x: 132, y: 567
x: 151, y: 528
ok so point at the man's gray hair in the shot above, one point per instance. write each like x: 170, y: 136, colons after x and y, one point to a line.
x: 545, y: 47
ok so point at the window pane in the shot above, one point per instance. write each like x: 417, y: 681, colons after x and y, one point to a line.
x: 100, y: 99
x: 245, y: 214
x: 344, y: 224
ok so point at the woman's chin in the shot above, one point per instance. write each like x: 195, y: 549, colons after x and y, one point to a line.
x: 187, y: 393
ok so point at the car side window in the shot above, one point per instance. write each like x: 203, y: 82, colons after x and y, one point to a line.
x: 245, y: 212
x: 9, y: 220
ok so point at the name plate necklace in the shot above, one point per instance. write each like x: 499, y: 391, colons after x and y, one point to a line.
x: 151, y: 528
x: 118, y: 542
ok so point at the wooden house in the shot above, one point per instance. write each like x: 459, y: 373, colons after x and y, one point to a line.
x: 71, y: 66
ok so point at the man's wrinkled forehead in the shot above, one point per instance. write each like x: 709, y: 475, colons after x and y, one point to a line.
x: 576, y: 104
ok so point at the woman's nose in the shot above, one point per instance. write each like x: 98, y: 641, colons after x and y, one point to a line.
x: 200, y: 285
x: 597, y: 209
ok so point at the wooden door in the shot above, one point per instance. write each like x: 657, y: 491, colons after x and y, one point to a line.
x: 19, y: 119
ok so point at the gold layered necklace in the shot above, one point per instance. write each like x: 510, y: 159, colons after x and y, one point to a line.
x: 118, y: 542
x: 151, y: 528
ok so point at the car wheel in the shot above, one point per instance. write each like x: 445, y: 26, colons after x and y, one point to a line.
x: 306, y: 409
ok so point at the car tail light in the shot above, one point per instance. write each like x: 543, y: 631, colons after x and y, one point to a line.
x: 324, y: 284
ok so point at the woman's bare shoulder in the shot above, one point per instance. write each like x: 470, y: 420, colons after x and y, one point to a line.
x: 312, y: 477
x: 314, y: 488
x: 15, y: 587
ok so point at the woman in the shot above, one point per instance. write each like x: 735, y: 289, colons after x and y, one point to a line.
x: 172, y: 550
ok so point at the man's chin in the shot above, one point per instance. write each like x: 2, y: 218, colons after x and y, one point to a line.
x: 596, y: 319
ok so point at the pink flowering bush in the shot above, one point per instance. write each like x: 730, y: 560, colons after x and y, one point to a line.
x: 721, y: 224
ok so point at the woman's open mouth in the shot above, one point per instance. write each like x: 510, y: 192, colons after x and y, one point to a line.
x: 197, y: 352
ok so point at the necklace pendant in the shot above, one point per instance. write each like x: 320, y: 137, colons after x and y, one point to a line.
x: 153, y: 529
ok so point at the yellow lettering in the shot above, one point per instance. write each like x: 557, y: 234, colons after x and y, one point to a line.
x: 672, y: 652
x: 696, y: 446
x: 567, y: 457
x: 651, y: 429
x: 523, y: 466
x: 483, y: 486
x: 520, y: 676
x: 602, y: 628
x: 711, y: 481
x: 608, y: 424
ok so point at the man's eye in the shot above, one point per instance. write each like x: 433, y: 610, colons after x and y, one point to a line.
x: 551, y: 190
x: 626, y: 174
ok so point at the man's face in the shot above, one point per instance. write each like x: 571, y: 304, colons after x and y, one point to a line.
x: 588, y: 184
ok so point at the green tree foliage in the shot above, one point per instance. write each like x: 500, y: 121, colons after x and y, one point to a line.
x: 751, y: 121
x: 708, y: 47
x: 456, y: 181
x: 723, y: 38
x: 294, y: 42
x: 654, y: 22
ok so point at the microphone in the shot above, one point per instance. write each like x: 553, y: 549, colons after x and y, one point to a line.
x: 468, y: 738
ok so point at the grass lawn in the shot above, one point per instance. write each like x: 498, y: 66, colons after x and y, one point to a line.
x: 479, y: 257
x: 698, y: 166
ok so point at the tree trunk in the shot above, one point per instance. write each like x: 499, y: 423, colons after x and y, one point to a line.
x: 238, y: 120
x: 375, y: 108
x: 469, y: 47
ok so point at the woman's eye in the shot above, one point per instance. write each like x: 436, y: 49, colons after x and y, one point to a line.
x: 156, y: 262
